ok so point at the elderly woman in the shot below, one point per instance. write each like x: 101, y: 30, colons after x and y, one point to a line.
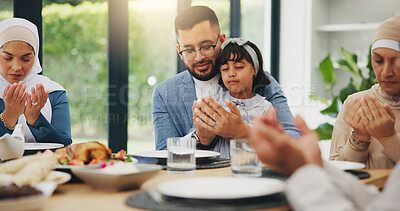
x: 32, y: 100
x: 368, y: 124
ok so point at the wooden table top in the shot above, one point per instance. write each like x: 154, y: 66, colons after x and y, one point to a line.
x: 82, y: 197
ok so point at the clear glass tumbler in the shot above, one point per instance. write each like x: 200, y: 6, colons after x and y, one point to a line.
x: 181, y: 155
x: 244, y: 160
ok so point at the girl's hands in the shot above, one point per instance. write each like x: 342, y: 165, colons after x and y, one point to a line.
x: 34, y: 103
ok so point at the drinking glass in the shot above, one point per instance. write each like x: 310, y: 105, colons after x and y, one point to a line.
x: 244, y: 160
x: 181, y: 155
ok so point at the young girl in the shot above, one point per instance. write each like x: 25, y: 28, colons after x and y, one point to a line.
x: 241, y: 66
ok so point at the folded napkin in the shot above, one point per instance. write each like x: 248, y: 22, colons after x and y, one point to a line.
x: 12, y: 146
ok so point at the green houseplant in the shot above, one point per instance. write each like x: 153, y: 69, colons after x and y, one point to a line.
x: 328, y: 72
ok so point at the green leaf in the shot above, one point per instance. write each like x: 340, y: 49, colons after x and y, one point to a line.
x: 349, y: 63
x: 350, y: 89
x: 333, y: 109
x: 128, y: 159
x: 365, y: 84
x: 369, y: 65
x: 320, y: 99
x: 327, y: 70
x: 324, y: 131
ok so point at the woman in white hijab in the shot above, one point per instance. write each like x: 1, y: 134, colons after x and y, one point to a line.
x: 368, y: 125
x: 35, y: 101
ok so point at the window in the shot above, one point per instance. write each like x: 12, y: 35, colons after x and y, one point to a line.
x: 152, y: 58
x: 221, y: 9
x: 75, y: 55
x: 254, y: 14
x: 6, y: 9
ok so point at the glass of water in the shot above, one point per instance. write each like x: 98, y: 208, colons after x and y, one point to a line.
x: 244, y: 160
x: 181, y: 155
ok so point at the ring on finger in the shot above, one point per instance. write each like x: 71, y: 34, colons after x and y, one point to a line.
x: 35, y: 103
x: 213, y: 124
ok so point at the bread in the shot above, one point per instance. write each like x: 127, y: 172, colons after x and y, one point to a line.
x: 31, y: 169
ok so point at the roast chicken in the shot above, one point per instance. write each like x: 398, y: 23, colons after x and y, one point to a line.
x: 86, y: 151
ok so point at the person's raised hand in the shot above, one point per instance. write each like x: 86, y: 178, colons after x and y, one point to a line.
x: 308, y: 142
x: 14, y: 97
x: 35, y: 102
x: 280, y: 151
x: 353, y: 117
x: 203, y: 133
x: 215, y: 118
x: 379, y: 119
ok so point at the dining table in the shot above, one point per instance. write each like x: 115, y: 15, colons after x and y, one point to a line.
x: 80, y: 196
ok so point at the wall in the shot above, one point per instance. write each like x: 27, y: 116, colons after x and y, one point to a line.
x: 310, y: 29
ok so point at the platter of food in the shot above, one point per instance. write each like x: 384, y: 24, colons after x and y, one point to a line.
x: 88, y: 155
x: 22, y: 186
x: 120, y: 176
x: 58, y: 177
x: 26, y: 197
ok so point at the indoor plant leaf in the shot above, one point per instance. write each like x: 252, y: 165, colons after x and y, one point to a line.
x: 350, y: 89
x: 327, y: 70
x: 333, y: 109
x: 349, y: 63
x: 320, y: 99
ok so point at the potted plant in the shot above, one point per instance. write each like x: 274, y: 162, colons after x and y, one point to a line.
x: 349, y: 63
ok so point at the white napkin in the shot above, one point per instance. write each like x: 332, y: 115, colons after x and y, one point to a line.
x: 12, y: 146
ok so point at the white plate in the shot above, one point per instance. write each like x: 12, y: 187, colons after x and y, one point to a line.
x: 346, y: 165
x: 99, y: 179
x: 34, y: 202
x: 58, y: 177
x: 42, y: 146
x: 164, y: 154
x: 221, y: 187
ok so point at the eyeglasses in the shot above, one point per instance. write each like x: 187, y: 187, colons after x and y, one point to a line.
x: 207, y: 51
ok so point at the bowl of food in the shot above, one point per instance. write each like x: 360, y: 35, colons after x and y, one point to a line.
x: 88, y: 155
x: 117, y: 177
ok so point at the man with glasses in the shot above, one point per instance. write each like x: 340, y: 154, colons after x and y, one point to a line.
x: 174, y: 100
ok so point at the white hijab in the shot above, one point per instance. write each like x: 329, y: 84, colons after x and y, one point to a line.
x: 18, y: 29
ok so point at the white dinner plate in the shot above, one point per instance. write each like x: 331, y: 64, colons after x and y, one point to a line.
x: 42, y: 146
x: 221, y: 187
x: 346, y: 165
x: 164, y: 154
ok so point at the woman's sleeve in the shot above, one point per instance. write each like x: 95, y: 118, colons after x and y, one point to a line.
x: 59, y: 131
x: 392, y: 148
x: 3, y: 129
x: 340, y: 148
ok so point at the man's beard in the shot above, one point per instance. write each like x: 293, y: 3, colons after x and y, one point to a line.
x: 211, y: 74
